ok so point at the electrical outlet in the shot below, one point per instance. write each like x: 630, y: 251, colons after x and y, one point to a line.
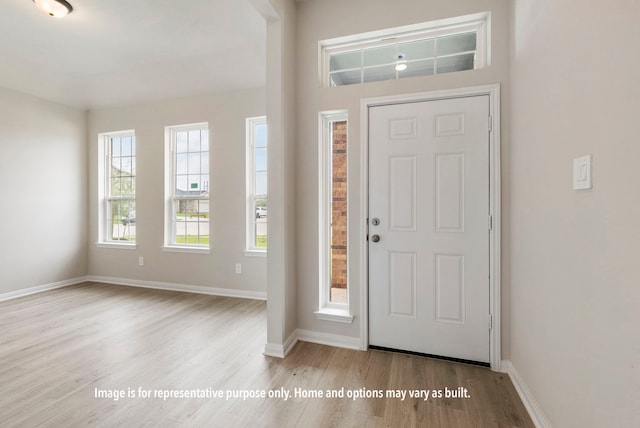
x: 238, y: 268
x: 140, y: 261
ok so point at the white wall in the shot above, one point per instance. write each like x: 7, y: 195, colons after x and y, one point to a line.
x: 225, y: 113
x: 319, y: 20
x: 281, y: 113
x: 574, y: 265
x: 43, y: 167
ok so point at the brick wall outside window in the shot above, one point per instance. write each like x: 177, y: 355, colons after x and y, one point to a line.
x: 339, y: 206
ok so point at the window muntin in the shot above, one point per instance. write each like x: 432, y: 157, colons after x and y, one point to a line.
x: 426, y: 49
x: 188, y: 213
x: 119, y: 181
x: 257, y: 207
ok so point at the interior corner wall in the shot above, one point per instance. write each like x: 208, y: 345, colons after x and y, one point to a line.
x: 574, y: 267
x: 43, y: 167
x: 320, y: 20
x: 225, y: 114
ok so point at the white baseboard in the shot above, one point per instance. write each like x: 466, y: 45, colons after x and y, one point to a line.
x: 336, y: 340
x: 40, y: 288
x: 530, y: 403
x: 274, y: 350
x: 281, y: 351
x: 198, y: 289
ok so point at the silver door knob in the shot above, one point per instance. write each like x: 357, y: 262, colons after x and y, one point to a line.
x: 375, y: 238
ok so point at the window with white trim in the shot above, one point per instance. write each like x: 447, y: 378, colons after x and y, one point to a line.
x: 117, y: 190
x: 187, y: 221
x: 333, y: 215
x: 256, y: 184
x: 418, y: 50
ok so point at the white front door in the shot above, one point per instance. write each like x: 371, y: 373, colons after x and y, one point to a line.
x: 429, y: 227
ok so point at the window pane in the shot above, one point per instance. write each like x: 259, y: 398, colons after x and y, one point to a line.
x: 116, y: 166
x: 256, y: 226
x: 126, y: 146
x: 261, y: 159
x: 194, y: 163
x: 387, y: 72
x: 182, y: 185
x: 181, y: 142
x: 204, y: 163
x: 192, y: 222
x: 115, y: 147
x: 420, y: 49
x: 115, y: 187
x: 458, y: 43
x: 261, y: 136
x: 119, y: 218
x: 380, y: 55
x: 346, y: 77
x: 204, y: 140
x: 455, y: 63
x: 122, y: 220
x: 126, y: 186
x: 346, y: 60
x: 260, y: 223
x: 338, y: 207
x: 194, y: 141
x: 417, y: 68
x: 182, y: 163
x: 127, y: 166
x: 261, y: 183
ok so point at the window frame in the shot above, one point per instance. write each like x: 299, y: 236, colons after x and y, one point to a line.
x: 327, y: 310
x: 170, y: 244
x: 251, y: 124
x: 105, y: 233
x: 479, y: 23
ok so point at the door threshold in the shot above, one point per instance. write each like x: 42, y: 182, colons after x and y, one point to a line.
x: 437, y: 357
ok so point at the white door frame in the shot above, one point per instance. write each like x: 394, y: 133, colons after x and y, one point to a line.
x: 493, y: 91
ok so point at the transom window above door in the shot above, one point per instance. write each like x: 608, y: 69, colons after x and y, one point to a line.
x: 417, y: 50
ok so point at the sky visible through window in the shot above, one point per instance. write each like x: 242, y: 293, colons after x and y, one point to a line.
x: 261, y: 159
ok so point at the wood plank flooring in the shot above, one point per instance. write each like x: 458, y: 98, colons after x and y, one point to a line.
x: 57, y: 348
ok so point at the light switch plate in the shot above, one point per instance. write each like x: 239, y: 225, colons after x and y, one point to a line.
x: 582, y: 173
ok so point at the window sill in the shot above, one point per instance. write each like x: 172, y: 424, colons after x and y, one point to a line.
x: 255, y: 253
x: 116, y: 245
x: 192, y: 250
x: 335, y: 315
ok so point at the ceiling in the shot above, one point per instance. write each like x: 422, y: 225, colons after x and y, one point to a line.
x: 118, y: 52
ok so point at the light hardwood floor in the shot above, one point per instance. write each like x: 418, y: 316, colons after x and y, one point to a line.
x: 58, y: 347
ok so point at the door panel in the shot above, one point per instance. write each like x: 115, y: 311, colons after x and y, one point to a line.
x: 429, y: 188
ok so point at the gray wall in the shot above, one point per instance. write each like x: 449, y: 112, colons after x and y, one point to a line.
x: 319, y: 20
x: 225, y: 113
x: 43, y: 176
x: 575, y: 281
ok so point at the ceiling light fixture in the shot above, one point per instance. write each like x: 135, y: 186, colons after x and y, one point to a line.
x: 401, y: 64
x: 55, y: 8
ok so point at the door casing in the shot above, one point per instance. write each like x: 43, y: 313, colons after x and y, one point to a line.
x: 493, y: 91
